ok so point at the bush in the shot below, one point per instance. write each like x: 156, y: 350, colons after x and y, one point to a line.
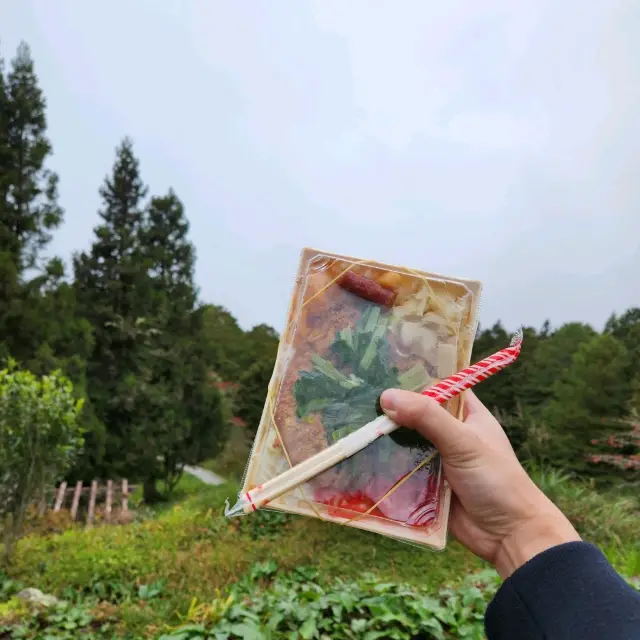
x: 39, y: 439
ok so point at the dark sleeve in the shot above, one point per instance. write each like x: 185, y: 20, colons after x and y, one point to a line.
x: 569, y: 592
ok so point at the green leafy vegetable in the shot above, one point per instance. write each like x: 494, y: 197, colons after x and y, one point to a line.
x: 312, y: 389
x: 326, y: 368
x: 345, y: 389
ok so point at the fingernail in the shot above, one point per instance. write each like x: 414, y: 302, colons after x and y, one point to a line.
x: 389, y: 402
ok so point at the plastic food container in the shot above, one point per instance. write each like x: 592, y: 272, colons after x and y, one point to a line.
x: 357, y: 327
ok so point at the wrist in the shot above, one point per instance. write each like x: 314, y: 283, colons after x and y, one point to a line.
x: 542, y: 530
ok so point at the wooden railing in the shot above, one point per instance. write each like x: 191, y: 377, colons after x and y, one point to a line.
x: 113, y: 492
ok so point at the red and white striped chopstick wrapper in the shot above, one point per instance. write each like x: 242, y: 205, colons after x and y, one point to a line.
x: 471, y: 376
x: 349, y: 445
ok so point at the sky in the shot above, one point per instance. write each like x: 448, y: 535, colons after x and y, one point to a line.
x: 493, y: 140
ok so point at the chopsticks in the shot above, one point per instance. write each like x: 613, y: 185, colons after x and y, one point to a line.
x: 349, y: 445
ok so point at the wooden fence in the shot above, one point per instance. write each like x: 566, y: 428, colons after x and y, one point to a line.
x: 113, y: 492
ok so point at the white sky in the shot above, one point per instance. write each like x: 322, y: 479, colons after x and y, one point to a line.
x: 495, y: 140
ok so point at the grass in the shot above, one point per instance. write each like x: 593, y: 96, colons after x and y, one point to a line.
x: 196, y: 552
x: 608, y: 519
x: 185, y: 550
x: 187, y: 486
x: 194, y: 538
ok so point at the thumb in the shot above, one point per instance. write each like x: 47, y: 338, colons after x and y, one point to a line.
x: 427, y: 417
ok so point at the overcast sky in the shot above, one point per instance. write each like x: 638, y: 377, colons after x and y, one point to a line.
x: 494, y: 140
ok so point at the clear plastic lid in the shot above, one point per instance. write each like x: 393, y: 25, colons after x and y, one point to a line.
x: 356, y: 328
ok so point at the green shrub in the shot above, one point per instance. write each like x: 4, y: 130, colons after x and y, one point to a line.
x: 39, y: 439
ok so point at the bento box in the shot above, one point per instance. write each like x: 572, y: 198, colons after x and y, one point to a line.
x: 355, y: 328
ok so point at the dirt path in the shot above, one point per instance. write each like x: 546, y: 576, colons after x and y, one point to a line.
x: 208, y: 477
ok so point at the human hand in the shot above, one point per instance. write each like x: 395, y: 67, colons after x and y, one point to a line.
x: 497, y: 510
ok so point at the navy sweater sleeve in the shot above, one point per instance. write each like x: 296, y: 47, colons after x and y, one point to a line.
x: 569, y: 592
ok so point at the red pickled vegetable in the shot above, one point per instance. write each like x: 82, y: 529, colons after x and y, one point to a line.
x: 367, y: 288
x: 345, y: 505
x: 350, y: 505
x: 414, y: 502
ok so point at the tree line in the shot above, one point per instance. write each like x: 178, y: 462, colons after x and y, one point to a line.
x: 126, y: 324
x: 164, y: 376
x: 572, y: 399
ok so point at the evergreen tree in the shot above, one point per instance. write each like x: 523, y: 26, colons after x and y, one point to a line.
x: 203, y: 416
x: 262, y: 341
x: 593, y: 390
x: 111, y: 286
x: 261, y: 348
x: 227, y: 350
x: 29, y: 210
x: 552, y: 359
x: 186, y: 420
x: 38, y: 321
x: 627, y: 329
x: 254, y: 384
x: 28, y: 207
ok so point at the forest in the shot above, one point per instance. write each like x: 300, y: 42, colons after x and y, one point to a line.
x: 152, y: 362
x: 164, y: 376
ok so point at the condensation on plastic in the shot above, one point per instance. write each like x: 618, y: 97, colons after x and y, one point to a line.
x: 430, y: 327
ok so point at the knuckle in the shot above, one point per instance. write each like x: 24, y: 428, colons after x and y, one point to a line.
x: 422, y: 410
